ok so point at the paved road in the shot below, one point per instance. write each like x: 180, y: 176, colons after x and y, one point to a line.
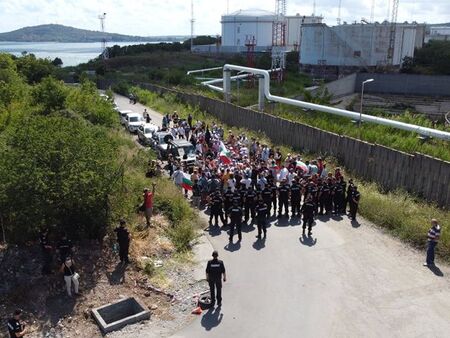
x: 348, y: 280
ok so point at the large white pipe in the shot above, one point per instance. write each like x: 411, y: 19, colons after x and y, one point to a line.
x: 202, y: 70
x: 341, y: 112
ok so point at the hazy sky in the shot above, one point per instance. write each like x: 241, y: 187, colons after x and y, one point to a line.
x: 172, y: 17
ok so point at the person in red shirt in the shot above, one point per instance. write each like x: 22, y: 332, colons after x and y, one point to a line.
x: 148, y: 203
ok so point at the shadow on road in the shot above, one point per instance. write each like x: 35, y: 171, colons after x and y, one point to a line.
x: 232, y: 246
x: 214, y: 230
x: 259, y: 244
x: 212, y: 318
x: 247, y: 227
x: 284, y: 222
x: 117, y: 276
x: 308, y: 240
x: 436, y: 271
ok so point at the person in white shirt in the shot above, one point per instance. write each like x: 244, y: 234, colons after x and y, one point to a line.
x: 178, y: 176
x: 246, y: 181
x: 283, y: 173
x: 232, y: 182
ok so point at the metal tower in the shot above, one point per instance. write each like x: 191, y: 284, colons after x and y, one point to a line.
x: 279, y: 38
x: 192, y: 24
x: 390, y: 56
x: 104, y: 54
x: 339, y: 13
x: 372, y: 11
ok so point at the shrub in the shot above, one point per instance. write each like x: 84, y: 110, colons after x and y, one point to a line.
x: 182, y: 236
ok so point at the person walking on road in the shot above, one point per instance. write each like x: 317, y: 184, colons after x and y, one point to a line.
x: 214, y: 271
x: 15, y: 328
x: 235, y: 213
x: 123, y: 239
x: 433, y: 237
x: 308, y: 215
x: 148, y: 203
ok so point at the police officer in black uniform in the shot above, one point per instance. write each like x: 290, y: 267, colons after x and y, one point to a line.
x: 216, y: 208
x: 354, y: 202
x: 250, y: 204
x: 274, y: 190
x: 325, y: 197
x: 266, y: 195
x: 227, y: 201
x: 348, y: 196
x: 47, y: 256
x: 343, y: 202
x: 338, y: 197
x: 261, y: 218
x: 214, y: 271
x: 123, y: 239
x: 235, y: 213
x: 308, y: 214
x: 15, y: 328
x: 283, y: 199
x: 64, y: 247
x: 296, y: 195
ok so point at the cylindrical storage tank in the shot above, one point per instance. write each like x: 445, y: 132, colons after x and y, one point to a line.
x: 242, y: 25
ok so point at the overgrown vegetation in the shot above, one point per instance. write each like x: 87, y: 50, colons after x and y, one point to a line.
x: 397, y: 212
x: 432, y: 58
x: 66, y: 163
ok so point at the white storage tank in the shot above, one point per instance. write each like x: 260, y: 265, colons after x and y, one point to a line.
x: 242, y: 25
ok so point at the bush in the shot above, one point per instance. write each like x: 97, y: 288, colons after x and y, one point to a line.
x: 182, y: 236
x: 59, y: 171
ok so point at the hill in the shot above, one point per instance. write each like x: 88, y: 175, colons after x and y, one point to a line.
x: 60, y: 33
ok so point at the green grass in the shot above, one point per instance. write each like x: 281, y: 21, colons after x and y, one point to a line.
x: 398, y: 212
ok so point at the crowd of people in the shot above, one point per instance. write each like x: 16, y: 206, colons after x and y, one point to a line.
x: 241, y: 179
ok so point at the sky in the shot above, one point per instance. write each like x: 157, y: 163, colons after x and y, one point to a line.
x: 172, y: 17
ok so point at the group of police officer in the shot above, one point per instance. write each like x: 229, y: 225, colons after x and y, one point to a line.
x: 329, y: 196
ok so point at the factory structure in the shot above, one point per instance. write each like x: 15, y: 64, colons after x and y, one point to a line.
x: 255, y: 25
x: 358, y: 45
x: 361, y: 45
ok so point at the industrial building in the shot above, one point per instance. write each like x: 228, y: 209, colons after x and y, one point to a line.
x: 357, y: 45
x: 256, y: 26
x: 438, y: 33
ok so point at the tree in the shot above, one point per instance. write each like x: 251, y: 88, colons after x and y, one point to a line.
x: 57, y: 62
x: 56, y: 170
x: 50, y: 95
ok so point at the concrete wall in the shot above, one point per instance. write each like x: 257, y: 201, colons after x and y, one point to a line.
x: 422, y: 175
x: 392, y: 84
x: 406, y: 84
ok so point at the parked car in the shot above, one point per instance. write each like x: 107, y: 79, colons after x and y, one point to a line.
x: 133, y: 122
x: 181, y: 149
x: 160, y: 139
x: 145, y: 133
x: 123, y: 116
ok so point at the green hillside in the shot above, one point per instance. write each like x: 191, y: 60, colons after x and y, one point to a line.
x: 60, y: 33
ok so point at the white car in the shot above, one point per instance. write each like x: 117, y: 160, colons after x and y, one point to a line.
x: 145, y: 133
x: 133, y: 122
x: 123, y: 116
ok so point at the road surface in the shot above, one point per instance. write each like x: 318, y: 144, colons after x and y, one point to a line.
x: 348, y: 280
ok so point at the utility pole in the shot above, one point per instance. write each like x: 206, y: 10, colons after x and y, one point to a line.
x: 102, y: 25
x: 192, y: 24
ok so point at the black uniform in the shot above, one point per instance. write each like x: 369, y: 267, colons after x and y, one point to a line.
x: 227, y: 201
x: 261, y: 218
x: 216, y: 209
x: 296, y: 196
x: 123, y: 238
x: 283, y: 199
x: 325, y: 198
x: 46, y: 253
x: 235, y: 213
x: 14, y: 327
x: 215, y: 269
x: 354, y: 202
x: 250, y: 204
x: 338, y: 197
x: 308, y: 215
x: 274, y: 190
x: 267, y: 198
x: 343, y: 202
x: 65, y: 248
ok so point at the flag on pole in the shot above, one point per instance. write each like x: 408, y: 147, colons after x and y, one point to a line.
x: 187, y: 183
x: 225, y: 154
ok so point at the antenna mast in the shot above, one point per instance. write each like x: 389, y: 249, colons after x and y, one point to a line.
x: 279, y: 38
x: 192, y: 24
x: 104, y: 53
x: 390, y: 56
x: 372, y: 11
x: 339, y: 12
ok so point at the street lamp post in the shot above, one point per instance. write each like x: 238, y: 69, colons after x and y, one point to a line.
x: 362, y: 98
